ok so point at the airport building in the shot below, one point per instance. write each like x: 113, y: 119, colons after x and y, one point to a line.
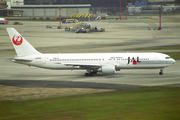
x: 50, y: 8
x: 17, y: 8
x: 152, y: 7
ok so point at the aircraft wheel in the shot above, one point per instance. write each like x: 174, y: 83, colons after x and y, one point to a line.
x: 94, y: 73
x: 161, y: 72
x: 86, y: 74
x: 91, y: 74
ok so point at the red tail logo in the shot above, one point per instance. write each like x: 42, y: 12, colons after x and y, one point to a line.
x: 17, y: 39
x: 134, y: 62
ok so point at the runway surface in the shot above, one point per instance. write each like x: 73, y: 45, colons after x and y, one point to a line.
x: 14, y: 74
x: 120, y: 36
x: 64, y: 84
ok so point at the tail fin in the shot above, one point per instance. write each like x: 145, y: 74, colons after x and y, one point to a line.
x: 22, y: 47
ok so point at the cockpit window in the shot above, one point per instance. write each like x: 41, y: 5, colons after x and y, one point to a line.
x: 167, y: 57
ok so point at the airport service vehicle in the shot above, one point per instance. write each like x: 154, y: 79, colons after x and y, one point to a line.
x: 82, y: 30
x: 77, y: 26
x: 106, y: 63
x: 69, y: 28
x: 3, y: 21
x: 17, y: 23
x: 69, y: 21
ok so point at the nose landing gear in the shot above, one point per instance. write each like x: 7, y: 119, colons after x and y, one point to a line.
x: 161, y: 72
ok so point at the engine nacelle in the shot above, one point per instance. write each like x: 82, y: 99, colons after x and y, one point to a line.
x: 108, y: 69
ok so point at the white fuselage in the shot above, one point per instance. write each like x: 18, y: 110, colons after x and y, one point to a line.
x: 95, y: 60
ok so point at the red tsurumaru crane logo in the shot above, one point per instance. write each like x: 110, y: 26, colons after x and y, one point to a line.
x: 17, y: 39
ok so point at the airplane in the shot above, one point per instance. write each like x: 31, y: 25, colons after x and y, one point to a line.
x: 106, y: 63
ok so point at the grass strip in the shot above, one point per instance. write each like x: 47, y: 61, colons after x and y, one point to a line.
x: 174, y: 55
x: 141, y: 103
x: 174, y: 47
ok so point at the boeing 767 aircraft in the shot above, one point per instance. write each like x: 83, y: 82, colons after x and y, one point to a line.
x: 106, y: 63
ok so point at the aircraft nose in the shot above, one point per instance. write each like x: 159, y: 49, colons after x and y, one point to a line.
x: 172, y: 61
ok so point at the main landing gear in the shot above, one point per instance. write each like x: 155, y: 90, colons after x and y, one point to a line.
x: 161, y: 72
x: 90, y: 73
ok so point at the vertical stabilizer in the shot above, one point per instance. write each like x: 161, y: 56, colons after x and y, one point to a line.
x: 22, y: 47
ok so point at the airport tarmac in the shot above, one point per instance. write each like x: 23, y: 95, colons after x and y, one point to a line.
x: 120, y: 36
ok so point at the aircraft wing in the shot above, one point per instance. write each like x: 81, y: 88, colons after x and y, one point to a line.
x: 83, y: 65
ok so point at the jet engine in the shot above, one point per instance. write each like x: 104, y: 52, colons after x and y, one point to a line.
x: 108, y: 69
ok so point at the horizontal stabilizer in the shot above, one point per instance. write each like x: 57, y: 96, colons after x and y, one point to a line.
x: 21, y: 60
